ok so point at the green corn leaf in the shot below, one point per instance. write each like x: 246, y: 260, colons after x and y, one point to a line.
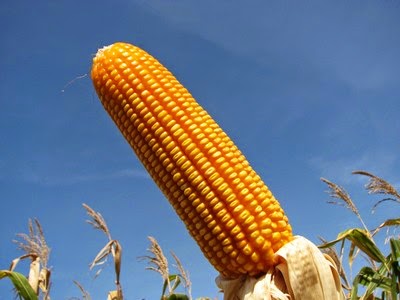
x: 164, y: 288
x: 369, y: 277
x: 354, y: 289
x: 394, y: 290
x: 178, y: 297
x: 375, y: 279
x: 176, y: 281
x: 21, y: 284
x: 361, y: 239
x: 395, y: 261
x: 351, y: 254
x: 395, y: 246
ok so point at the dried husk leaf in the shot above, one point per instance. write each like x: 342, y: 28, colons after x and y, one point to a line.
x: 113, y: 295
x: 303, y: 273
x: 101, y: 256
x: 34, y: 274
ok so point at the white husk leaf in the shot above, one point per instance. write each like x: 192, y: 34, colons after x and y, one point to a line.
x: 303, y: 273
x: 34, y: 272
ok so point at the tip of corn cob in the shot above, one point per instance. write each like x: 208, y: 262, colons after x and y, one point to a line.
x: 226, y: 207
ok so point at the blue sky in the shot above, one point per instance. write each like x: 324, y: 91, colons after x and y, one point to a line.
x: 306, y: 89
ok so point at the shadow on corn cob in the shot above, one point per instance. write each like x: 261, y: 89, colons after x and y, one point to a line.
x: 229, y: 211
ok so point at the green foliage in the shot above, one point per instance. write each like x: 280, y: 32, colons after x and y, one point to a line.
x: 362, y: 239
x: 175, y: 281
x: 380, y: 280
x: 177, y: 297
x: 21, y: 285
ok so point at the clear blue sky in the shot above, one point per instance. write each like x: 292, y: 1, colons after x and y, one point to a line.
x: 306, y: 89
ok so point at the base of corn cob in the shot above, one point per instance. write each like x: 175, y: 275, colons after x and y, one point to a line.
x: 303, y: 273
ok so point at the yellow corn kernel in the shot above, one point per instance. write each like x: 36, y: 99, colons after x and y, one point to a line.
x: 226, y: 207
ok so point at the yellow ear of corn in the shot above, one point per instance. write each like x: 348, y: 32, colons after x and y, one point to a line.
x: 228, y: 210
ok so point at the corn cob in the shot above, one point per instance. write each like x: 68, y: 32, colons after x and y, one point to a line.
x: 226, y: 207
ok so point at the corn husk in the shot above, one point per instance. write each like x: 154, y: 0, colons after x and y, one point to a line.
x: 303, y: 272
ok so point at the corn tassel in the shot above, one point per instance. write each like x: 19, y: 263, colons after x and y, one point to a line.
x: 228, y: 210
